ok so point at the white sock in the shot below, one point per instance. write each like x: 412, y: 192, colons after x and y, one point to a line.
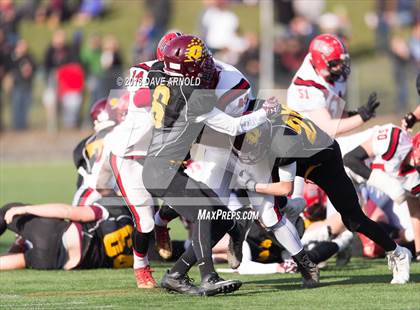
x: 159, y: 221
x: 139, y: 261
x: 249, y: 267
x: 288, y: 236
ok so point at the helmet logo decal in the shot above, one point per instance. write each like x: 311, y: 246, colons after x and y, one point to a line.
x: 194, y: 50
x: 253, y: 136
x: 113, y: 103
x: 323, y: 48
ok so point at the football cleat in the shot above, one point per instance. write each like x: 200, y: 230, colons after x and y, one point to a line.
x: 179, y: 283
x: 144, y: 277
x: 163, y: 242
x: 308, y: 270
x: 399, y: 262
x: 212, y: 285
x: 236, y: 240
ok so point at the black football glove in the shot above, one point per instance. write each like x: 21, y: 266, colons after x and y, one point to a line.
x: 367, y: 111
x: 409, y: 120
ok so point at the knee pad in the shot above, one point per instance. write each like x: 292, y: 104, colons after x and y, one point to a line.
x: 143, y: 217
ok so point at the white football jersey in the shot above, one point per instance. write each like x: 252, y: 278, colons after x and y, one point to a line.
x: 233, y: 90
x: 132, y: 137
x: 391, y: 145
x: 309, y: 91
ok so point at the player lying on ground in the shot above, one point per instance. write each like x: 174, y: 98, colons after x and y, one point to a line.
x: 298, y: 147
x: 394, y: 170
x: 59, y: 236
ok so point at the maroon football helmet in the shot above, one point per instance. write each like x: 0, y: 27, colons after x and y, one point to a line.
x: 189, y: 56
x: 110, y: 109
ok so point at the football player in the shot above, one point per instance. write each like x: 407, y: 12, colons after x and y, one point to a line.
x: 180, y: 112
x: 128, y: 143
x: 95, y: 178
x: 59, y: 236
x: 319, y: 86
x: 299, y: 147
x: 394, y: 170
x: 317, y: 91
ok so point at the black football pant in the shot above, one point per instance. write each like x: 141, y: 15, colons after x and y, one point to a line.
x: 190, y: 199
x: 326, y: 170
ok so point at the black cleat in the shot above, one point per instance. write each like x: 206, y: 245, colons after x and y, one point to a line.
x: 308, y: 270
x: 237, y: 237
x: 176, y: 282
x: 212, y: 285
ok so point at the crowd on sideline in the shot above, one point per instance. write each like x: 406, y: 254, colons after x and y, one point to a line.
x: 82, y: 68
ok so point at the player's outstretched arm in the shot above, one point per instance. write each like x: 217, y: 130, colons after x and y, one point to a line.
x: 334, y: 127
x: 56, y: 210
x: 234, y: 126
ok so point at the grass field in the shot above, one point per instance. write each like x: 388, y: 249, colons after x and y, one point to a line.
x: 361, y: 285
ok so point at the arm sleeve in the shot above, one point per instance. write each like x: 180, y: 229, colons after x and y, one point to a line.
x: 233, y: 126
x: 287, y: 173
x: 355, y: 161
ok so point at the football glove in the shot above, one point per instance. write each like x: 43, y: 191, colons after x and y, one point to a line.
x: 245, y: 180
x: 271, y: 106
x: 409, y: 120
x: 367, y: 111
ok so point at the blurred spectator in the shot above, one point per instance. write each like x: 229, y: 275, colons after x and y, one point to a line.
x: 57, y: 54
x: 91, y: 60
x: 283, y: 11
x: 309, y: 9
x: 111, y: 64
x: 335, y: 23
x: 56, y: 11
x: 90, y: 9
x: 414, y: 44
x: 391, y: 14
x: 400, y: 53
x: 70, y: 82
x: 5, y: 64
x: 9, y: 21
x: 23, y: 70
x: 290, y: 48
x: 249, y: 62
x: 405, y: 56
x: 217, y: 19
x: 144, y: 46
x: 161, y: 12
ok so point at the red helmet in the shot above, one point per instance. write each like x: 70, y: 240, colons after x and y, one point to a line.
x: 416, y: 149
x: 110, y: 109
x: 189, y: 56
x: 329, y: 57
x: 164, y: 42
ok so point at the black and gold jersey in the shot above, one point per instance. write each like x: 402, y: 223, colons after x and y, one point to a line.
x: 175, y: 109
x: 107, y: 243
x: 295, y: 137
